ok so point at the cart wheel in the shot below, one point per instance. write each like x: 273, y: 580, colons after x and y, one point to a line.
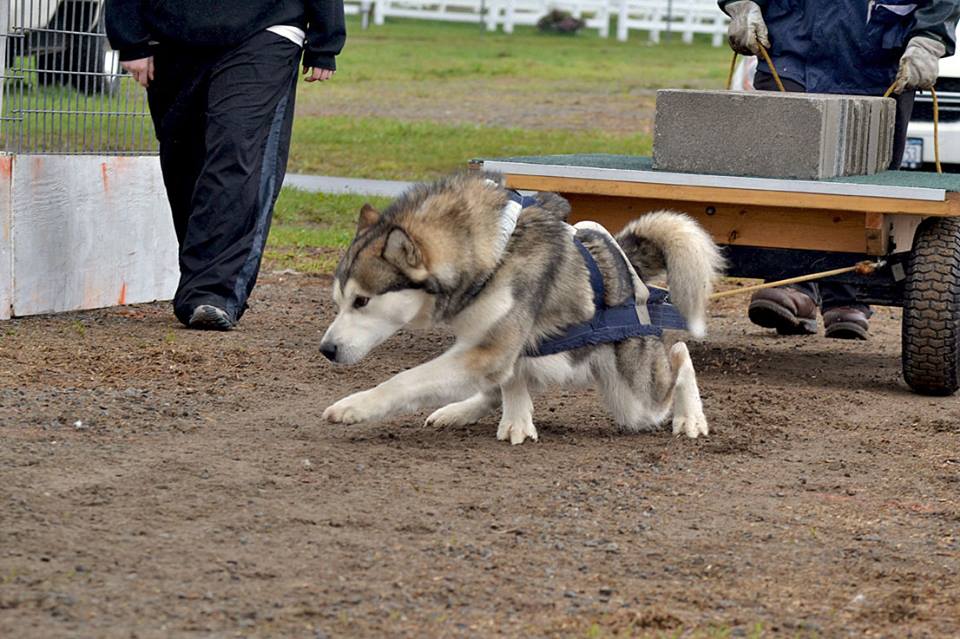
x: 930, y: 331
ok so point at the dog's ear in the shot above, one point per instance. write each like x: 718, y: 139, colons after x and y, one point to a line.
x: 401, y: 251
x: 368, y: 217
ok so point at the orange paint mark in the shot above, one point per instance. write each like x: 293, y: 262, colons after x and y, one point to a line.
x: 6, y: 166
x: 123, y: 295
x: 106, y: 182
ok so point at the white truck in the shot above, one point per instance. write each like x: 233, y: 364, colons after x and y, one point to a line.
x: 62, y: 41
x: 919, y: 152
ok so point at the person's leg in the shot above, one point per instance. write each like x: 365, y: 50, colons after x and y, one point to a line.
x: 791, y: 310
x: 177, y: 108
x: 249, y: 116
x: 843, y: 316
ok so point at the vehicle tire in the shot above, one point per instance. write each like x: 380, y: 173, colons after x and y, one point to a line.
x: 930, y: 332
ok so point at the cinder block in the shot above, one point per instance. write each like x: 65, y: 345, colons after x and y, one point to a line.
x: 770, y: 134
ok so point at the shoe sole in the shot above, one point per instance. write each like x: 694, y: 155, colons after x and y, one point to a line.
x: 209, y: 318
x: 846, y: 330
x: 771, y: 315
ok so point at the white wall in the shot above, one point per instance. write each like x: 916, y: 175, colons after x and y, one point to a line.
x: 85, y: 232
x: 6, y: 247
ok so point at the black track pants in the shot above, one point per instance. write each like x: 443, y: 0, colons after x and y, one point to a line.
x: 223, y: 119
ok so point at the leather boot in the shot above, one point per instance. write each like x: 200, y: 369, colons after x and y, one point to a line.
x: 846, y: 322
x: 786, y: 309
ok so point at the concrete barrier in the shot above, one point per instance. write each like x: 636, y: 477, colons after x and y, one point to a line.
x: 81, y: 232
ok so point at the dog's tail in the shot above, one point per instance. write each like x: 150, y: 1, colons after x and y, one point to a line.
x: 672, y: 243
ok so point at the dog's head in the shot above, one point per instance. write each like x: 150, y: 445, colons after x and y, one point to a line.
x: 382, y: 284
x: 405, y: 265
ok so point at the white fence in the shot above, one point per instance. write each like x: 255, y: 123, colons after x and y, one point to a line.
x: 654, y: 17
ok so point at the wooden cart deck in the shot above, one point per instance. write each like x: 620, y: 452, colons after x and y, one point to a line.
x: 863, y: 215
x: 774, y: 229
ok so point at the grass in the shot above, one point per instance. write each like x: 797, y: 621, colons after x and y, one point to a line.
x: 408, y: 59
x: 390, y: 149
x: 310, y: 228
x: 419, y: 51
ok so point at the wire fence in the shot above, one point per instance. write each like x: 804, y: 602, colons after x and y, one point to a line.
x: 62, y: 89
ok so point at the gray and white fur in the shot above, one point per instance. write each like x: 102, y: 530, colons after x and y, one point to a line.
x: 433, y: 258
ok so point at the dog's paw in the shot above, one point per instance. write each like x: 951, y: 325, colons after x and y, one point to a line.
x: 352, y: 409
x: 516, y: 430
x: 692, y: 425
x: 453, y: 415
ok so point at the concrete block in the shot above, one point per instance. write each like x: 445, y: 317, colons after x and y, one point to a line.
x: 770, y: 134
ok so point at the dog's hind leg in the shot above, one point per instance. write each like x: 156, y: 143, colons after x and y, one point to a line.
x: 688, y: 417
x: 516, y: 423
x: 469, y: 411
x: 634, y: 377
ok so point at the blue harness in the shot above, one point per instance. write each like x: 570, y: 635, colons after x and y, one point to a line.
x: 609, y: 323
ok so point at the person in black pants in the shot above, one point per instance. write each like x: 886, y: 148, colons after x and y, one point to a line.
x: 221, y: 85
x: 849, y: 47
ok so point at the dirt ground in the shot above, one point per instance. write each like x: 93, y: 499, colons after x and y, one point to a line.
x: 161, y: 482
x: 497, y: 103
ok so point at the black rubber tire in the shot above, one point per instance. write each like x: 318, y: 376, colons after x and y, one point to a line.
x: 930, y: 332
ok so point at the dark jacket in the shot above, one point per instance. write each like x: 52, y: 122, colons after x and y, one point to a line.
x: 829, y: 46
x: 215, y: 24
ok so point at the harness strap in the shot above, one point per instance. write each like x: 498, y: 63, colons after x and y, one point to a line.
x: 596, y: 277
x: 612, y: 323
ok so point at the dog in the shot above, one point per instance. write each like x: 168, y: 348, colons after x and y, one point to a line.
x: 460, y: 252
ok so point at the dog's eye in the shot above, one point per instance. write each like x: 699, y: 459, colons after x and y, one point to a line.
x: 360, y: 302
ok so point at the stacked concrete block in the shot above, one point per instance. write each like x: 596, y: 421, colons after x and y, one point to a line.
x: 769, y: 134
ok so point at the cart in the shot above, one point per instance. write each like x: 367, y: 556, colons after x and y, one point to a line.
x: 779, y: 228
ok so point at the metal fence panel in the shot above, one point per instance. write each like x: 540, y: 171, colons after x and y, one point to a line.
x: 63, y: 91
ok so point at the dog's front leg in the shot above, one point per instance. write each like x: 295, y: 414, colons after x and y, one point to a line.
x: 453, y: 376
x: 516, y: 424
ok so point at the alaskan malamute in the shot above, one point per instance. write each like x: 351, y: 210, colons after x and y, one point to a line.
x: 531, y: 300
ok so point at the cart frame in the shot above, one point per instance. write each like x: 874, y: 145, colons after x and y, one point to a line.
x: 776, y: 228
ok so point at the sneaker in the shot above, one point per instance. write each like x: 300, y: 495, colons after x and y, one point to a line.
x: 786, y: 309
x: 846, y: 322
x: 207, y: 317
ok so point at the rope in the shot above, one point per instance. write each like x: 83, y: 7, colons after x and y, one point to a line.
x: 733, y: 66
x: 862, y: 268
x: 773, y: 69
x: 936, y: 130
x: 766, y: 58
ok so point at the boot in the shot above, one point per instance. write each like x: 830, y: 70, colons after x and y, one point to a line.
x: 786, y: 309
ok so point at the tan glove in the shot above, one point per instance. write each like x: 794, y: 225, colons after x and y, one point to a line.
x: 746, y: 27
x: 919, y: 64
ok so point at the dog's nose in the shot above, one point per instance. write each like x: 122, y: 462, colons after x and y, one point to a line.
x: 329, y: 351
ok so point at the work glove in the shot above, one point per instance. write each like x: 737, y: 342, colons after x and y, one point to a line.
x: 919, y: 64
x: 746, y: 27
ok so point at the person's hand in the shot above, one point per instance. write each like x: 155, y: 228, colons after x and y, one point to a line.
x: 141, y: 70
x: 919, y: 64
x: 746, y: 27
x: 313, y: 74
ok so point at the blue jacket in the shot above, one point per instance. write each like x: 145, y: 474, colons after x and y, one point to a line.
x: 850, y: 46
